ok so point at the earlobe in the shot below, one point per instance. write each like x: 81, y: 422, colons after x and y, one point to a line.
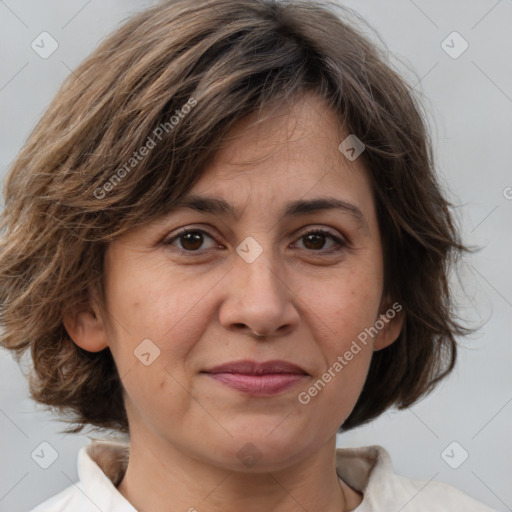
x: 85, y: 327
x: 392, y: 321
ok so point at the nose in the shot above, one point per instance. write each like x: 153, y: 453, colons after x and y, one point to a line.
x: 258, y: 299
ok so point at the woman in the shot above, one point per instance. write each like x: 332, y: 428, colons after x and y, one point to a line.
x: 225, y: 239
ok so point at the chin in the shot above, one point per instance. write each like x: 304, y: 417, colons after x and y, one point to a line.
x: 258, y: 450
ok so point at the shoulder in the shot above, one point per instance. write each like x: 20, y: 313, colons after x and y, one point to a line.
x: 69, y: 499
x: 430, y: 496
x: 100, y: 465
x: 369, y: 470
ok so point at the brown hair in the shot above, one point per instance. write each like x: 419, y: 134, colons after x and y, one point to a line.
x: 77, y: 184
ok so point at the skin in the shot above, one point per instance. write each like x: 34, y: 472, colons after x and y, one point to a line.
x: 200, y: 311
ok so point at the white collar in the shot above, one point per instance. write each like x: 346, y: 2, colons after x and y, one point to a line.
x: 367, y: 469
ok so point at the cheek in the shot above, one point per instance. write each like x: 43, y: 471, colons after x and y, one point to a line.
x: 346, y: 356
x: 345, y: 305
x: 149, y: 302
x: 335, y: 388
x: 157, y: 396
x: 339, y: 312
x: 172, y: 312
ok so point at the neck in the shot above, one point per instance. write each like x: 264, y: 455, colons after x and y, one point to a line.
x: 161, y: 478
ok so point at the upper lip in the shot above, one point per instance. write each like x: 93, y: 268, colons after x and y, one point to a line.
x: 249, y: 367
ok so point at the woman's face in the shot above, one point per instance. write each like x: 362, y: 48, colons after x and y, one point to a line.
x: 177, y: 306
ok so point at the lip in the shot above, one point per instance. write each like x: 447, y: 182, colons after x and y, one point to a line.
x: 260, y: 379
x: 249, y: 367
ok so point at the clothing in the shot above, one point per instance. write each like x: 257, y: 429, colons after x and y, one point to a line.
x: 367, y: 469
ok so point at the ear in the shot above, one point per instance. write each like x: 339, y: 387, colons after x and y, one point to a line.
x: 85, y: 326
x: 392, y: 318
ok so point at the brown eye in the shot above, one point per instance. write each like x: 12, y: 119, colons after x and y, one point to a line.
x: 193, y: 240
x: 190, y: 240
x: 315, y: 241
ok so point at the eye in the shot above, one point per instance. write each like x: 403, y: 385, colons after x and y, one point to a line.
x: 189, y: 241
x: 315, y: 241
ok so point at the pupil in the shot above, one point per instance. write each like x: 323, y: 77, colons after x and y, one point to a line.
x: 192, y: 241
x: 317, y: 239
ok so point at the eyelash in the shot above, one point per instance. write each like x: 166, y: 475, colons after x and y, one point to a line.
x: 339, y: 243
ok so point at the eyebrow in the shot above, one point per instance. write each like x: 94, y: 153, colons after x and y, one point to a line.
x: 218, y: 206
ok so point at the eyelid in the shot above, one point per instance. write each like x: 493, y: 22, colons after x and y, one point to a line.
x: 341, y: 242
x: 301, y: 232
x: 208, y: 231
x: 168, y: 240
x: 321, y: 229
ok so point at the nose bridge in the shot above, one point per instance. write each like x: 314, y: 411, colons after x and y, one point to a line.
x: 259, y: 271
x: 259, y: 298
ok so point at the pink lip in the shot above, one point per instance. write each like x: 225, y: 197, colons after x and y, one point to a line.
x: 260, y: 385
x: 254, y: 368
x: 260, y: 379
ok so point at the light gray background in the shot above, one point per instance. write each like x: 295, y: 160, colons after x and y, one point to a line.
x: 470, y: 103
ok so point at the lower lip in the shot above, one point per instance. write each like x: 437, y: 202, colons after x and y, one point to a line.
x: 259, y: 385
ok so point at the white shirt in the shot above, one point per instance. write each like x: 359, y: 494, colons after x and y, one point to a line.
x: 367, y: 469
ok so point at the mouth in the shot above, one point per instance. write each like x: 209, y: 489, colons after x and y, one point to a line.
x: 259, y: 379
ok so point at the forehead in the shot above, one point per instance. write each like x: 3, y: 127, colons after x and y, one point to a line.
x: 288, y: 155
x: 284, y: 133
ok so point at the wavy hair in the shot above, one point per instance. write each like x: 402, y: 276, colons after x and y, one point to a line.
x: 75, y: 186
